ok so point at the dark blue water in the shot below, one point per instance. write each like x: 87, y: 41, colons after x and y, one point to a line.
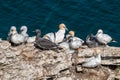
x: 82, y: 16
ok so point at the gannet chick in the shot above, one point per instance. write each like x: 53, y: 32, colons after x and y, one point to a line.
x: 43, y: 43
x: 16, y: 38
x: 10, y: 33
x: 103, y: 38
x: 58, y: 36
x: 27, y: 38
x: 75, y: 42
x: 92, y: 62
x: 23, y: 30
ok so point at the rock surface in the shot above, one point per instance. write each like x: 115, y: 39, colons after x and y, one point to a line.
x: 25, y: 62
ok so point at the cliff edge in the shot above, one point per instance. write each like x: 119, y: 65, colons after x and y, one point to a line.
x: 25, y: 62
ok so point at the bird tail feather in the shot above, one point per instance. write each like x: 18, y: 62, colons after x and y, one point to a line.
x: 113, y: 40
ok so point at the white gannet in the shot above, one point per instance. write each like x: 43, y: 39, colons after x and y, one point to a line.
x: 103, y: 38
x: 23, y: 30
x: 16, y: 38
x: 24, y: 33
x: 10, y: 33
x: 58, y: 36
x: 64, y: 45
x: 75, y: 42
x: 92, y: 62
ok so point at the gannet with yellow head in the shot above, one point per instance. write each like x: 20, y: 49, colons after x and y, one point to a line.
x: 58, y: 36
x: 75, y: 42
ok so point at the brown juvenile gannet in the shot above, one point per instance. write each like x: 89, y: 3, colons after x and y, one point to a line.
x: 91, y: 41
x: 43, y: 43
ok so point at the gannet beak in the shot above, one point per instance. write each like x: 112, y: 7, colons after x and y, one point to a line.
x: 66, y: 28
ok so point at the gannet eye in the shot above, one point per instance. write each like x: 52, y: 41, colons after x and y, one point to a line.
x: 22, y: 29
x: 12, y: 30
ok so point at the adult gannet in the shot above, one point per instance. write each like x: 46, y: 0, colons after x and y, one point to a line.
x: 74, y: 42
x: 103, y: 38
x: 58, y: 36
x: 92, y: 62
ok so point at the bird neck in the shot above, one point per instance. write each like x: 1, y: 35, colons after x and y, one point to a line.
x: 38, y: 36
x: 61, y: 31
x: 24, y: 32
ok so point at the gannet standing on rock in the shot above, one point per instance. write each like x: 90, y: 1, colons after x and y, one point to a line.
x: 43, y: 43
x: 24, y: 33
x: 10, y: 33
x: 103, y: 38
x: 16, y: 38
x: 75, y: 42
x: 92, y: 62
x: 23, y: 30
x: 58, y: 36
x: 91, y: 41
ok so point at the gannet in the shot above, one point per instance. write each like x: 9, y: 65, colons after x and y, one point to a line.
x: 44, y: 43
x: 16, y: 38
x: 75, y: 42
x: 103, y: 38
x: 27, y: 38
x: 10, y: 33
x: 92, y: 62
x: 91, y: 41
x: 23, y: 30
x: 58, y: 36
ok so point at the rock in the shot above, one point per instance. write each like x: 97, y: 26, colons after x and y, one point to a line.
x: 28, y: 54
x: 5, y: 45
x: 29, y: 48
x: 18, y: 52
x: 10, y: 54
x: 78, y: 68
x: 64, y: 78
x: 50, y: 65
x: 29, y: 45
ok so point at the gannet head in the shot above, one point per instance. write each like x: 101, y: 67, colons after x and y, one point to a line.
x: 23, y: 29
x: 62, y: 26
x: 100, y: 31
x: 37, y: 31
x: 72, y: 33
x: 13, y: 30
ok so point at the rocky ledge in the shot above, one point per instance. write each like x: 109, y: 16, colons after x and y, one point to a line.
x: 25, y: 62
